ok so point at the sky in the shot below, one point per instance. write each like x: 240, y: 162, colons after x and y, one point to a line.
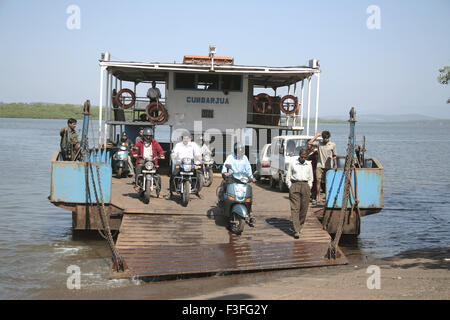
x: 391, y: 69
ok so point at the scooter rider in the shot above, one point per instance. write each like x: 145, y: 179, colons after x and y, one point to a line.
x: 184, y: 149
x: 148, y: 148
x: 239, y: 163
x: 124, y: 141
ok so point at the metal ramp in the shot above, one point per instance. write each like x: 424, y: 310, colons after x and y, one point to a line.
x: 164, y: 245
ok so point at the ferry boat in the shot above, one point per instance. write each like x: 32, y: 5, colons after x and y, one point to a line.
x: 212, y: 97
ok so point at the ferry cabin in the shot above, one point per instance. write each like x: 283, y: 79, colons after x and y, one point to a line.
x: 208, y: 95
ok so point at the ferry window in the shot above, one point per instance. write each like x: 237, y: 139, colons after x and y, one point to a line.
x: 208, y: 82
x: 231, y: 82
x: 185, y: 81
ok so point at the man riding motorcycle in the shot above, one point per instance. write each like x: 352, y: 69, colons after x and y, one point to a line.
x: 239, y: 163
x: 184, y: 149
x: 147, y: 148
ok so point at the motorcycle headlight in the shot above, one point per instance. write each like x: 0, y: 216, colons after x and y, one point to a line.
x: 123, y: 148
x: 186, y: 161
x: 187, y: 167
x: 149, y: 165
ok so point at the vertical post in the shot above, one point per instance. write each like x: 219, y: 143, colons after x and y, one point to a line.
x: 107, y: 105
x: 100, y: 106
x: 301, y: 103
x: 309, y: 104
x: 317, y: 102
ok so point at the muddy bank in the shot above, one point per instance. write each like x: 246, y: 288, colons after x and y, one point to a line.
x: 417, y: 274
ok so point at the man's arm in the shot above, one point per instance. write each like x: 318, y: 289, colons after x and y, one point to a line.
x: 310, y: 142
x: 289, y: 175
x: 334, y: 156
x: 310, y: 176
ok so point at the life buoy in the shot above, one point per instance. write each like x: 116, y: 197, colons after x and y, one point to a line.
x: 123, y: 105
x: 258, y: 103
x: 156, y: 113
x: 287, y: 109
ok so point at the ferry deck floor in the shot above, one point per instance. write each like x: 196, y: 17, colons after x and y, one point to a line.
x: 163, y: 238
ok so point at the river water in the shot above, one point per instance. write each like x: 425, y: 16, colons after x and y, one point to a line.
x: 37, y: 244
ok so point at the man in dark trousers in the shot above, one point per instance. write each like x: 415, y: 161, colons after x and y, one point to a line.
x: 299, y: 179
x: 69, y: 140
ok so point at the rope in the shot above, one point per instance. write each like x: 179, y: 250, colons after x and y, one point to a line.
x: 118, y: 263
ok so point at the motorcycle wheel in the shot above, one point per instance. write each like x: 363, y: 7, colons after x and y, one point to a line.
x: 208, y: 182
x: 119, y: 173
x: 186, y: 193
x: 147, y: 193
x: 237, y: 224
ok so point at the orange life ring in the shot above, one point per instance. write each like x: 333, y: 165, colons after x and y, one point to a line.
x: 123, y: 105
x: 286, y: 109
x: 162, y: 116
x: 257, y: 103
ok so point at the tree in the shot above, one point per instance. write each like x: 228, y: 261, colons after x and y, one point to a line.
x: 444, y: 76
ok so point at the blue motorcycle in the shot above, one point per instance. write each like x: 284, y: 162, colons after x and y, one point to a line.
x: 236, y: 196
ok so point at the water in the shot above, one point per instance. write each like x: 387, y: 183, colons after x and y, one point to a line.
x: 37, y: 243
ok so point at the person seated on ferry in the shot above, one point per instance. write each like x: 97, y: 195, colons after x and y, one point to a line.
x: 184, y: 149
x: 148, y: 148
x: 239, y: 163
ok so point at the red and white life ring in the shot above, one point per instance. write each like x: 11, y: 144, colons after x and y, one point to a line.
x: 127, y: 105
x: 286, y: 108
x: 157, y: 108
x: 260, y: 100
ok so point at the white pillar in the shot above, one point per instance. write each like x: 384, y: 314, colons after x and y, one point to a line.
x: 309, y: 104
x: 301, y: 103
x: 107, y: 104
x: 317, y: 102
x: 100, y: 107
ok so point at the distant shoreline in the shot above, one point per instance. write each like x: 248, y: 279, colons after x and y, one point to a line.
x: 66, y: 111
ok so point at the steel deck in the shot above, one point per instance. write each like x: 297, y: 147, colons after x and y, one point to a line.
x: 163, y: 238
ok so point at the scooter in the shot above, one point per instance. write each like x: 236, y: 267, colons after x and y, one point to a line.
x: 188, y: 180
x: 120, y: 162
x: 148, y: 180
x: 237, y: 200
x: 207, y: 169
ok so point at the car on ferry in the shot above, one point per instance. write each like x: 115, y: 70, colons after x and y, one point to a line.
x: 263, y: 163
x: 285, y: 149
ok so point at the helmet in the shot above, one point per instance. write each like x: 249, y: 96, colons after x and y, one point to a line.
x: 124, y: 136
x: 239, y: 149
x: 148, y: 134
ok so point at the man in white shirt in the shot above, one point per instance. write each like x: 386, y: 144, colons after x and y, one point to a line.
x: 184, y: 149
x: 153, y: 93
x: 299, y: 179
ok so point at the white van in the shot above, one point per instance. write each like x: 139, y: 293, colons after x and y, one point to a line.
x: 284, y: 150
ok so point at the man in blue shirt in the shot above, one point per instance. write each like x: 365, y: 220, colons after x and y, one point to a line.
x: 239, y: 163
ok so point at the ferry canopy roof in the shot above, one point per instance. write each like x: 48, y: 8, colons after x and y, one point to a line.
x: 258, y: 75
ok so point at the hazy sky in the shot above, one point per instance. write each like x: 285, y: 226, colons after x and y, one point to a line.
x: 390, y: 70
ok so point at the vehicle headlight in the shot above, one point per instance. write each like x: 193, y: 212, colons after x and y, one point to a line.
x: 187, y: 167
x: 123, y: 148
x: 149, y: 165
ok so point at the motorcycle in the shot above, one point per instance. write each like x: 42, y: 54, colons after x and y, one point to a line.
x: 148, y: 180
x: 120, y: 162
x: 207, y: 169
x: 188, y: 180
x: 236, y: 200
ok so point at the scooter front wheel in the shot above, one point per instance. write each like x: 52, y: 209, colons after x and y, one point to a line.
x: 147, y: 193
x: 119, y: 173
x: 237, y: 224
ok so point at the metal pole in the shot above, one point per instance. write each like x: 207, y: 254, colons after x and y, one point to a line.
x: 317, y: 103
x: 100, y: 106
x: 301, y: 103
x: 107, y: 105
x: 309, y: 103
